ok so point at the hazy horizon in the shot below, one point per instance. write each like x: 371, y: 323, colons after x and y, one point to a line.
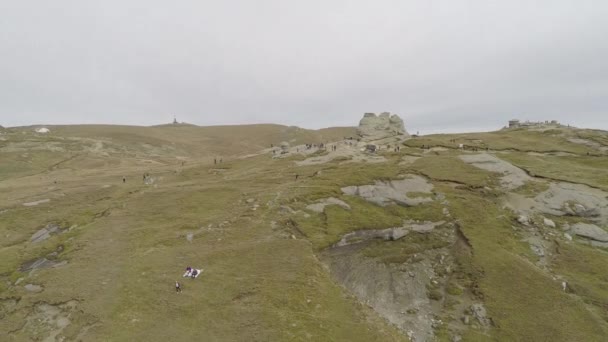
x: 409, y: 128
x: 443, y: 66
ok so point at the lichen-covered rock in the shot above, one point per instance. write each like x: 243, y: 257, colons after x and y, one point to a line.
x: 385, y: 125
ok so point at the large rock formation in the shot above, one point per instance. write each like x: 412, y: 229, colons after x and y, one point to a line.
x: 385, y: 125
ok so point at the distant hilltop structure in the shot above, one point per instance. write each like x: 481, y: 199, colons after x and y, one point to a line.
x: 376, y: 127
x: 515, y: 123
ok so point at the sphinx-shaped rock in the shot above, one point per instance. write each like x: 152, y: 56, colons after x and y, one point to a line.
x: 385, y: 125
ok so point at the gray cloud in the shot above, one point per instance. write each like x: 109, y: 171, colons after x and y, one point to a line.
x: 443, y: 65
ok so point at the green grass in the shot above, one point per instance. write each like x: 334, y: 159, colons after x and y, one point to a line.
x: 398, y: 252
x: 451, y: 168
x: 532, y: 188
x: 328, y: 228
x: 520, y: 140
x: 517, y: 293
x: 577, y: 169
x: 259, y: 284
x: 586, y: 271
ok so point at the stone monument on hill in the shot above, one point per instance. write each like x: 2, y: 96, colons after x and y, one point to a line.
x: 377, y: 127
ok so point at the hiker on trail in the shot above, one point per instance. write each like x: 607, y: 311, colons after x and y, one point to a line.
x: 297, y: 176
x: 178, y: 287
x: 124, y: 179
x: 215, y: 161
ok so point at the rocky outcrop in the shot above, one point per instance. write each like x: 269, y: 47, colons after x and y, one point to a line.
x: 393, y: 192
x: 590, y: 231
x: 377, y: 127
x: 45, y: 233
x: 388, y: 234
x: 319, y: 207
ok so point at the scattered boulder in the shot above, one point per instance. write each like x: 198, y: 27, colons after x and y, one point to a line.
x: 590, y: 231
x: 284, y: 147
x: 479, y: 312
x: 523, y: 219
x: 33, y: 288
x: 549, y: 223
x: 538, y: 250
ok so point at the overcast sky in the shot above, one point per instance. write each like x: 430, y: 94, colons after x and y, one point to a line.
x: 445, y: 65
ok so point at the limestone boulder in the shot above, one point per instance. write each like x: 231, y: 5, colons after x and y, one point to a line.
x: 385, y: 125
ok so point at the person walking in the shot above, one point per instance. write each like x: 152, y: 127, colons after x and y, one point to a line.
x: 178, y: 287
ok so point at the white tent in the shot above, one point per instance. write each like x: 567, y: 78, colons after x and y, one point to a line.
x: 43, y: 130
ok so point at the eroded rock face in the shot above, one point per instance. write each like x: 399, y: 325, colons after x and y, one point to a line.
x: 388, y: 234
x: 390, y: 290
x: 385, y: 125
x: 399, y: 291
